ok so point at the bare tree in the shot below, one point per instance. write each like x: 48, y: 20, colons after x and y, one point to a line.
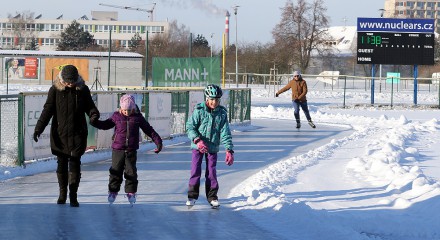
x: 22, y: 27
x: 300, y: 31
x: 173, y: 44
x: 255, y: 58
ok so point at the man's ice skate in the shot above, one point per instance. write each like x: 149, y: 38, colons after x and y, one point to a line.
x: 312, y: 124
x: 131, y: 198
x: 112, y: 197
x: 191, y: 202
x: 298, y: 125
x: 215, y: 204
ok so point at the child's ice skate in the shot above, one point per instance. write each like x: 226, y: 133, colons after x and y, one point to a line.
x: 131, y: 198
x: 112, y: 197
x: 191, y: 202
x: 214, y: 204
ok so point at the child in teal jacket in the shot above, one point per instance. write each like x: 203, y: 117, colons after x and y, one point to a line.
x: 207, y: 128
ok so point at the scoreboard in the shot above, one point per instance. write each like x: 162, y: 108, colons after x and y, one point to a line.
x: 395, y: 41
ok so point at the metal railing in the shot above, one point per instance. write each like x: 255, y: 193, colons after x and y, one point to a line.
x: 16, y: 131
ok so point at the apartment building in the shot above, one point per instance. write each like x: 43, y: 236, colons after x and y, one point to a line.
x: 48, y: 31
x: 413, y: 9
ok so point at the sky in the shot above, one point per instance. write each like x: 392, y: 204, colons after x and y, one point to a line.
x: 255, y: 18
x: 365, y: 173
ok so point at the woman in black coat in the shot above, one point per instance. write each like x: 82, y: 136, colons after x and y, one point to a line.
x: 67, y: 103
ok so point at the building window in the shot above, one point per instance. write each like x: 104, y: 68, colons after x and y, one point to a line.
x: 155, y: 29
x: 430, y: 5
x: 124, y: 43
x: 429, y: 14
x: 30, y: 27
x: 104, y: 28
x: 7, y: 26
x: 102, y: 42
x: 420, y: 5
x: 86, y: 27
x: 129, y: 29
x: 50, y: 41
x: 99, y: 28
x: 126, y: 29
x: 52, y: 27
x: 410, y: 4
x: 6, y: 41
x: 400, y: 4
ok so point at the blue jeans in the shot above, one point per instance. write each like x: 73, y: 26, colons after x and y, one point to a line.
x: 305, y: 109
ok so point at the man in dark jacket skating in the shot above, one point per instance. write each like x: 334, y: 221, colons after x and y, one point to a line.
x: 67, y: 103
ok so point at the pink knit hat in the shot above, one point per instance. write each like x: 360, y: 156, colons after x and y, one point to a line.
x: 127, y: 102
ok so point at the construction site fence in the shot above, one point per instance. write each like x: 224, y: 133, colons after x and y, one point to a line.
x: 167, y: 110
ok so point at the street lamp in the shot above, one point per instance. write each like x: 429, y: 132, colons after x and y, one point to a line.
x: 236, y: 47
x: 382, y: 11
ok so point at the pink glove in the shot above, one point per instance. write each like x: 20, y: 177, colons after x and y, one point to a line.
x: 229, y: 160
x: 201, y: 145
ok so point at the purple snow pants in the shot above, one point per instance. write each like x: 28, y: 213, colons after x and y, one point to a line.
x: 211, y: 184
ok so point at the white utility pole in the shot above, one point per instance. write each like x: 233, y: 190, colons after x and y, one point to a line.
x: 212, y: 35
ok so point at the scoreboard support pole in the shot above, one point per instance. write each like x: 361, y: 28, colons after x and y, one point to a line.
x: 415, y: 83
x: 372, y: 83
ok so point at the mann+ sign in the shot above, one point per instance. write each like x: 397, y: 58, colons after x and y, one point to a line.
x: 186, y: 72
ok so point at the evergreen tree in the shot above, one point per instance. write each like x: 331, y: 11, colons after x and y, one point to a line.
x: 32, y: 44
x: 200, y: 46
x: 200, y: 41
x: 135, y: 43
x: 74, y: 38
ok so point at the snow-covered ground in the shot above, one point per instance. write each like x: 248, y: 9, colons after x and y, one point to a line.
x: 364, y: 173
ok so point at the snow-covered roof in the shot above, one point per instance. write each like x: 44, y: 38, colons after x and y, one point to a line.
x: 69, y: 53
x: 342, y: 39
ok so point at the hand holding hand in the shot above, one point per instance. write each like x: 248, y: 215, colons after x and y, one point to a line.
x: 36, y: 136
x: 203, y: 148
x: 229, y: 160
x: 297, y: 101
x: 93, y: 120
x: 158, y: 148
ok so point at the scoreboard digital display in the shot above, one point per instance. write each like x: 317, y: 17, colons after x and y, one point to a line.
x: 395, y: 41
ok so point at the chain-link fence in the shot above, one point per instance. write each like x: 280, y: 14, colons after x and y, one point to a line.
x: 352, y: 90
x: 9, y: 133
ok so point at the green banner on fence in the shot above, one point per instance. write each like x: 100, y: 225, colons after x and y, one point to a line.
x: 186, y: 72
